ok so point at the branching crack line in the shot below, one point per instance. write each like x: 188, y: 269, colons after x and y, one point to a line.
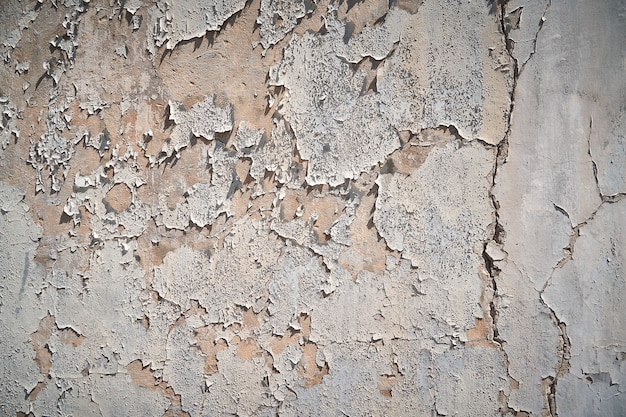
x: 593, y: 163
x: 564, y: 352
x: 563, y: 365
x: 498, y: 231
x: 605, y: 198
x: 564, y: 348
x: 541, y: 23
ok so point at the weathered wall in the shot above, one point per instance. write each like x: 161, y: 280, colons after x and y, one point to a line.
x: 299, y: 207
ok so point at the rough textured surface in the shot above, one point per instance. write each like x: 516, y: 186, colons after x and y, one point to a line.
x: 451, y: 68
x: 316, y: 208
x: 339, y: 130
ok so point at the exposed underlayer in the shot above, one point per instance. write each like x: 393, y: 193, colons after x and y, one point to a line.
x: 312, y: 207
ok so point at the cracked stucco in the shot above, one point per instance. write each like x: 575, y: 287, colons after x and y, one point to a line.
x: 327, y: 207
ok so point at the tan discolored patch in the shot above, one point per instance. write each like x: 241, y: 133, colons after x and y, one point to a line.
x: 368, y: 251
x: 250, y: 319
x: 118, y: 198
x: 386, y: 382
x: 261, y: 204
x: 408, y: 159
x: 438, y: 136
x: 313, y: 374
x: 70, y: 337
x: 35, y: 391
x: 289, y: 205
x: 151, y: 253
x: 210, y: 347
x: 268, y: 183
x: 480, y: 335
x: 242, y: 168
x: 411, y: 6
x: 305, y: 323
x: 240, y: 203
x: 224, y: 63
x: 195, y: 309
x: 175, y: 409
x: 313, y: 205
x: 235, y: 328
x: 55, y: 227
x: 143, y: 377
x: 415, y: 149
x: 248, y: 349
x: 280, y: 343
x: 328, y: 209
x: 40, y: 343
x: 549, y: 406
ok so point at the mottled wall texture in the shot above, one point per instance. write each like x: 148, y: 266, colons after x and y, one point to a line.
x: 313, y: 208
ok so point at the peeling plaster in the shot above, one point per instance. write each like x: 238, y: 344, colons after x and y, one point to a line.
x: 278, y: 17
x: 204, y: 119
x: 459, y: 77
x: 328, y: 138
x: 175, y: 22
x: 312, y: 208
x: 8, y: 129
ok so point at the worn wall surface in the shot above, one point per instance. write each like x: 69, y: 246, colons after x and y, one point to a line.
x: 313, y: 208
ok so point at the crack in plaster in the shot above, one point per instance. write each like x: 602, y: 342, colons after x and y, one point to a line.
x: 534, y: 43
x: 499, y: 233
x: 285, y: 237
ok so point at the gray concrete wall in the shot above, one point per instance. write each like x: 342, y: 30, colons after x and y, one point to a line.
x: 321, y: 208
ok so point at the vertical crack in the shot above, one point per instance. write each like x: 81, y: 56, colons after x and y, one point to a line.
x: 541, y: 22
x: 593, y: 163
x: 498, y: 230
x: 501, y: 154
x: 604, y: 198
x: 564, y: 345
x: 563, y: 365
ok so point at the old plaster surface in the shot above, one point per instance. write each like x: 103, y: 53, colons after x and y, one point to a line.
x: 312, y: 207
